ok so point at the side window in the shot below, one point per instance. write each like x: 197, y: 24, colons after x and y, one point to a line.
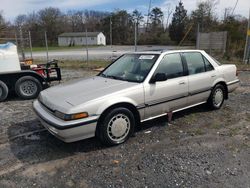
x: 171, y: 65
x: 208, y: 65
x: 195, y: 62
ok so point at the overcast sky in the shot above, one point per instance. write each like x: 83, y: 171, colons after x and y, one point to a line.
x: 12, y: 8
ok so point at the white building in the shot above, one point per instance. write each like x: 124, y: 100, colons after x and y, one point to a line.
x: 79, y: 38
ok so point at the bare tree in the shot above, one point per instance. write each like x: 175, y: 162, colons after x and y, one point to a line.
x: 2, y: 22
x: 169, y: 13
x: 51, y: 19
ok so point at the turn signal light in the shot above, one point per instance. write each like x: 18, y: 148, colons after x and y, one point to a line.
x: 79, y: 115
x: 68, y: 117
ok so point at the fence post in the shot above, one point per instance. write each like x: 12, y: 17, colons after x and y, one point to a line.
x: 247, y: 44
x: 225, y: 41
x: 46, y: 43
x: 110, y: 31
x: 198, y: 37
x: 30, y: 45
x: 135, y: 36
x: 210, y: 38
x: 16, y: 40
x: 22, y: 44
x: 86, y: 45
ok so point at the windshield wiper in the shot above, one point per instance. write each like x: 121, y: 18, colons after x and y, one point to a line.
x: 111, y: 76
x: 103, y: 75
x: 114, y: 77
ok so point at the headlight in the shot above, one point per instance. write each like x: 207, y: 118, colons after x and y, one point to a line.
x: 68, y: 117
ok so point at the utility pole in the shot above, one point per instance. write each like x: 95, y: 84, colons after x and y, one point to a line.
x: 86, y: 45
x: 136, y: 24
x: 46, y: 43
x: 149, y: 8
x: 30, y: 46
x: 110, y: 32
x: 247, y: 45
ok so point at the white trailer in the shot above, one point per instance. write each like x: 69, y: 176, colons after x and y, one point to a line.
x: 27, y: 84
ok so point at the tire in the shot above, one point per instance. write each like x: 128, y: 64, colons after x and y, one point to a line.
x: 3, y: 91
x: 217, y: 97
x: 28, y: 87
x: 116, y: 126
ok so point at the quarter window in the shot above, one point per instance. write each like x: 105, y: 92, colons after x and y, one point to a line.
x: 171, y: 65
x: 195, y: 62
x: 208, y: 65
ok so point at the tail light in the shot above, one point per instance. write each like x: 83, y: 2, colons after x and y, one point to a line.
x: 237, y: 72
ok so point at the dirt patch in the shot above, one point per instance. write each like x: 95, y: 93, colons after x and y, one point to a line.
x: 199, y: 148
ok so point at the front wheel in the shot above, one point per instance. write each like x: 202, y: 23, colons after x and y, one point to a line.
x: 28, y: 87
x: 217, y: 97
x: 116, y: 127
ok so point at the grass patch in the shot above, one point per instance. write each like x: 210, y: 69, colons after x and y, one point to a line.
x: 234, y: 131
x: 216, y: 126
x: 94, y: 64
x: 191, y: 118
x: 55, y: 48
x: 199, y: 131
x: 247, y: 116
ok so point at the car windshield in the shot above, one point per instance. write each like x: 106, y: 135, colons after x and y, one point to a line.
x: 130, y: 67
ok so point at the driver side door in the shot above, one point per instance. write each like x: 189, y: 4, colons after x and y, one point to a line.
x: 169, y: 95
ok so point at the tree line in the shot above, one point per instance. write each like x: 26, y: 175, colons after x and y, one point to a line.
x: 154, y: 28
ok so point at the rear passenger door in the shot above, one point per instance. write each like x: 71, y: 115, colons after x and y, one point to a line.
x: 201, y: 77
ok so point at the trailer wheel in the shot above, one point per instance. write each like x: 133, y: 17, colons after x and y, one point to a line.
x: 3, y: 91
x: 28, y: 87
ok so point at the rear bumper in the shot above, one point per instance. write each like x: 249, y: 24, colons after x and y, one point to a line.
x: 67, y: 131
x: 231, y: 86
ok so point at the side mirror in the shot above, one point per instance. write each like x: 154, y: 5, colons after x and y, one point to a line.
x: 159, y: 77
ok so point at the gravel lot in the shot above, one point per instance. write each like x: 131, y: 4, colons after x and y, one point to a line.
x: 199, y: 148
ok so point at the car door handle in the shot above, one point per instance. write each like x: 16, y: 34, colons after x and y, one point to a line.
x: 213, y: 76
x: 182, y: 83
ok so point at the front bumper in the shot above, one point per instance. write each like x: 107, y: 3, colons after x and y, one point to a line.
x: 67, y: 131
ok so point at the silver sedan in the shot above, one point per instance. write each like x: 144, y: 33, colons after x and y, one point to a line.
x: 135, y: 88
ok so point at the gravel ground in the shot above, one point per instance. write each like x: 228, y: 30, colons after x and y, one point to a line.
x: 199, y: 148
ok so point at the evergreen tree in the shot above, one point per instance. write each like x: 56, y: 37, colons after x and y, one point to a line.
x: 177, y: 26
x: 156, y: 18
x: 137, y: 16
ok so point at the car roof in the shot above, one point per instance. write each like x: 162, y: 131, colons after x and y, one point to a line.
x: 165, y: 51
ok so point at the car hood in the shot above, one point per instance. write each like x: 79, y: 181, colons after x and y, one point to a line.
x: 81, y: 91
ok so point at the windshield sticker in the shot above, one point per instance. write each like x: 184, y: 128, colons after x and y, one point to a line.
x: 146, y: 57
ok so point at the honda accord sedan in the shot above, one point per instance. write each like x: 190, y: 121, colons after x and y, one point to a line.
x: 135, y: 88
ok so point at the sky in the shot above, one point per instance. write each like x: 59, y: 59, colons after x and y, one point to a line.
x: 12, y: 8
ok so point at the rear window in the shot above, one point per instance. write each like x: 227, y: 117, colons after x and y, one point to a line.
x: 215, y: 60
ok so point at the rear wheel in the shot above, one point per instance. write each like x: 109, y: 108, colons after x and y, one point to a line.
x: 28, y: 87
x: 116, y: 127
x: 3, y: 91
x: 217, y: 97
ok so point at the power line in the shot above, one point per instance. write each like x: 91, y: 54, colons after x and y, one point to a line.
x: 235, y: 6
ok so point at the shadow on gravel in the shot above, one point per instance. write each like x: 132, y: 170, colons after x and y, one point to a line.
x: 38, y: 145
x: 32, y: 144
x: 163, y: 121
x: 12, y: 97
